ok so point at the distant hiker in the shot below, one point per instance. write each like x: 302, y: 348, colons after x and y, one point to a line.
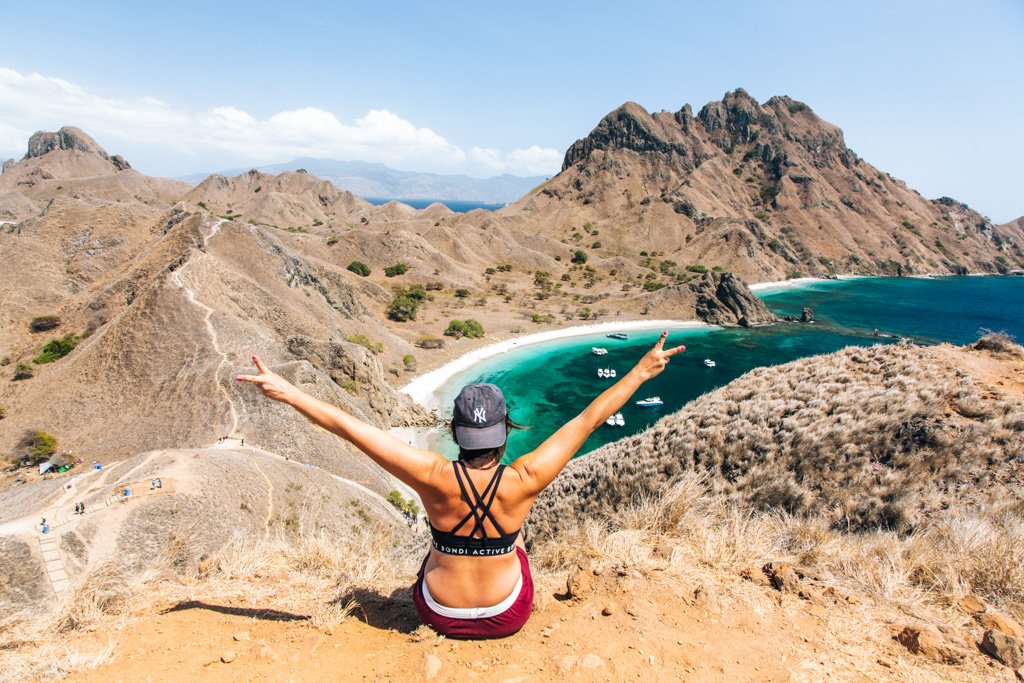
x: 82, y: 508
x: 159, y: 483
x: 243, y: 442
x: 475, y: 581
x: 76, y: 508
x: 152, y: 484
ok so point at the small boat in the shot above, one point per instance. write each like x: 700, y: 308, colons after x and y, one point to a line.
x: 650, y: 402
x: 600, y: 372
x: 619, y: 420
x: 708, y: 362
x: 598, y: 351
x: 618, y: 335
x: 610, y: 421
x: 610, y: 372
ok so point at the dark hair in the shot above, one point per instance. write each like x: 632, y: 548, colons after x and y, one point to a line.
x: 482, y: 456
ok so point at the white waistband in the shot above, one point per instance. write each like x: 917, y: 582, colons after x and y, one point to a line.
x: 471, y: 612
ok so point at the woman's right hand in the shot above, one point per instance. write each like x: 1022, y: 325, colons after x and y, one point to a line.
x: 270, y: 383
x: 655, y: 360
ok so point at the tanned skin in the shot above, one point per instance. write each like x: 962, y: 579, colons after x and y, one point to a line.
x: 459, y: 580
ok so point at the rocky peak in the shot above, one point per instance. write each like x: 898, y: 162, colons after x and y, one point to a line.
x: 725, y: 299
x: 69, y: 137
x: 628, y: 127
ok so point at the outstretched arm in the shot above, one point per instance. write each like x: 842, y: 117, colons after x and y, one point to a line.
x: 539, y: 468
x: 413, y: 466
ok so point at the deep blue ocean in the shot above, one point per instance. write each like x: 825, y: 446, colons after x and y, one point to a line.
x: 456, y: 205
x: 547, y: 384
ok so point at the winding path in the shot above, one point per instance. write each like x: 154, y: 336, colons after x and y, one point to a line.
x: 190, y: 294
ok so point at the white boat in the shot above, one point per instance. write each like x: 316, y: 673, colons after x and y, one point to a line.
x: 610, y: 372
x: 598, y: 351
x: 617, y: 335
x: 619, y: 420
x: 650, y: 401
x: 600, y: 372
x: 708, y: 362
x: 610, y: 421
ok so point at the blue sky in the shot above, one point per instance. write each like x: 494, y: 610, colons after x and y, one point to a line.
x: 928, y: 91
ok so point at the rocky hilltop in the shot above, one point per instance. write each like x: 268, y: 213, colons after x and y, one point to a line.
x: 766, y: 191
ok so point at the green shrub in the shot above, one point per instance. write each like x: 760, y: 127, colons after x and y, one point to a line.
x: 697, y: 268
x: 464, y: 328
x: 332, y: 240
x: 349, y: 385
x: 6, y: 360
x: 40, y: 444
x: 402, y: 308
x: 579, y: 256
x: 763, y: 216
x: 409, y: 361
x: 22, y: 371
x: 595, y: 245
x: 44, y: 323
x: 430, y: 343
x: 794, y: 274
x: 56, y: 349
x: 201, y: 205
x: 462, y: 293
x: 505, y: 268
x: 434, y: 286
x: 363, y: 340
x: 653, y: 286
x: 3, y: 412
x: 795, y: 107
x: 359, y: 268
x: 542, y: 318
x: 396, y: 269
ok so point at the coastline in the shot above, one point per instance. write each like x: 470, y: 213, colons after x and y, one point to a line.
x: 423, y: 389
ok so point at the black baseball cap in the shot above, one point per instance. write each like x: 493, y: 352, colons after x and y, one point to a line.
x: 479, y: 417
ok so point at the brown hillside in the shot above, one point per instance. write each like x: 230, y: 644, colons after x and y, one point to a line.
x: 761, y: 190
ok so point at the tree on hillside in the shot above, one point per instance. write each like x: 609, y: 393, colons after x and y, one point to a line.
x: 359, y: 268
x: 39, y: 445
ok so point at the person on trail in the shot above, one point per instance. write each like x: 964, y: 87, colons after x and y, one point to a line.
x: 475, y: 581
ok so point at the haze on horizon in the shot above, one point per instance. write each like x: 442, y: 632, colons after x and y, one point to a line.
x: 925, y: 92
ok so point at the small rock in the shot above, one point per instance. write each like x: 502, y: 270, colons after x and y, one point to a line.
x: 567, y: 663
x: 971, y: 604
x: 928, y: 642
x: 579, y: 581
x: 782, y: 577
x: 704, y: 598
x: 608, y: 609
x: 755, y: 575
x: 431, y: 666
x: 228, y: 657
x: 813, y: 596
x: 591, y: 661
x: 241, y: 635
x: 1006, y: 649
x: 1001, y: 623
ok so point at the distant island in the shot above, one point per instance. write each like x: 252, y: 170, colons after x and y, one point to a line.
x: 377, y: 181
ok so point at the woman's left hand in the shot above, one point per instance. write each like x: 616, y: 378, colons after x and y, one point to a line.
x: 655, y: 360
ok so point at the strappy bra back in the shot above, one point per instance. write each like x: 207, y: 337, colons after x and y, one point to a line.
x: 449, y: 543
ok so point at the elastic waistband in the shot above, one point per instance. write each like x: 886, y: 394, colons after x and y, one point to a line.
x: 471, y: 612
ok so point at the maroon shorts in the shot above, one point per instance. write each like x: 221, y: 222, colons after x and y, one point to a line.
x: 498, y: 626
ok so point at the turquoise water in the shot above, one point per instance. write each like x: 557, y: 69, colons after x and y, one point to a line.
x: 548, y: 384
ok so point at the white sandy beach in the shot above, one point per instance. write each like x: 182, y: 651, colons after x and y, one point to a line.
x: 423, y: 389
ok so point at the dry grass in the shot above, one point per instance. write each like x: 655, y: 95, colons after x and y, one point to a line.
x: 312, y: 574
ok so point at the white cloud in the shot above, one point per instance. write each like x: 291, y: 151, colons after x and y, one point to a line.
x: 34, y: 102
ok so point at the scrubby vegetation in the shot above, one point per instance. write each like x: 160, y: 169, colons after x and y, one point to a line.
x: 464, y: 328
x: 396, y: 269
x: 44, y: 323
x: 57, y: 349
x: 359, y: 268
x: 364, y: 341
x: 863, y: 439
x: 406, y: 302
x: 22, y: 371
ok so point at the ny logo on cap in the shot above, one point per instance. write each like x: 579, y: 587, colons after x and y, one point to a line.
x: 479, y: 415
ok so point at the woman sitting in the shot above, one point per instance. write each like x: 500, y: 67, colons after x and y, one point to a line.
x: 475, y: 581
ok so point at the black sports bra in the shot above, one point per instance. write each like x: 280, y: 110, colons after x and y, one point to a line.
x: 449, y: 543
